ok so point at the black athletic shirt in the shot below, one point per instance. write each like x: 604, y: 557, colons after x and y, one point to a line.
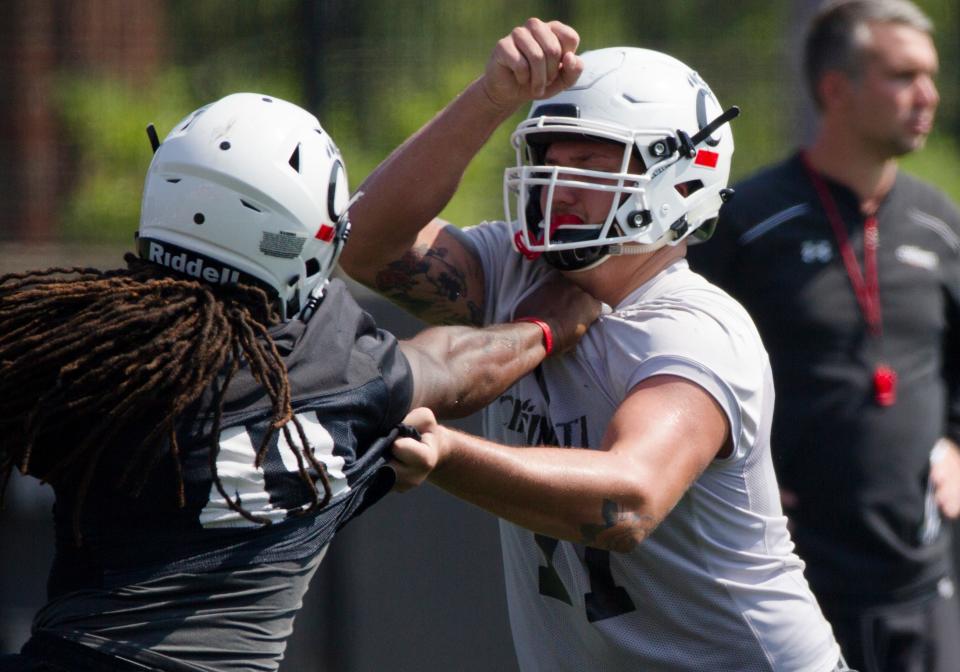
x: 860, y: 471
x: 351, y: 388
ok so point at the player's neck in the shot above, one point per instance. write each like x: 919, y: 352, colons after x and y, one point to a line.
x: 841, y: 158
x: 618, y: 277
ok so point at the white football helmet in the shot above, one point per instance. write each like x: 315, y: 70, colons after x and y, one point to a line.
x: 249, y: 188
x: 663, y: 114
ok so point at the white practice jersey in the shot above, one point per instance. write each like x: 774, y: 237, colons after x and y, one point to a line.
x: 716, y: 586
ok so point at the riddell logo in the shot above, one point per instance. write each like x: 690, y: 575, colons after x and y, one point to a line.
x: 192, y: 266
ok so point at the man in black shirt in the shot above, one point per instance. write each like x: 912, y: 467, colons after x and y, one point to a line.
x: 212, y: 414
x: 851, y: 271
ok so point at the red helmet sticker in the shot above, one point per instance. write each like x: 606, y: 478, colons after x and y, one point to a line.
x: 325, y: 233
x: 707, y: 158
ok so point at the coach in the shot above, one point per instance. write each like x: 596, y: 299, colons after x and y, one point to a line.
x: 851, y: 270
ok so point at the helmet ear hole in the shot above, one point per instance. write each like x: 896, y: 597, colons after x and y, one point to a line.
x: 689, y: 188
x: 313, y: 266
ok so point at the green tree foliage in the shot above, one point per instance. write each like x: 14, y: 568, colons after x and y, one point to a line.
x: 374, y: 71
x: 106, y: 122
x: 406, y: 66
x: 217, y: 47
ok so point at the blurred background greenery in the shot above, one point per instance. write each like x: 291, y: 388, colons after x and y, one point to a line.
x: 375, y: 70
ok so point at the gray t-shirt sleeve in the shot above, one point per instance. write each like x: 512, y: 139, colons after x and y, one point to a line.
x: 508, y: 276
x: 680, y: 340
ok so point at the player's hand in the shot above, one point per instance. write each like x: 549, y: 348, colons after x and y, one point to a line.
x: 413, y: 460
x: 565, y: 307
x: 945, y: 476
x: 536, y: 60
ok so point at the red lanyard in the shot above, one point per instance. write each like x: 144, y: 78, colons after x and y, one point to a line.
x: 866, y: 284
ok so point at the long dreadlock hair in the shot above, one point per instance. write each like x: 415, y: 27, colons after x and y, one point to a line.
x: 108, y: 351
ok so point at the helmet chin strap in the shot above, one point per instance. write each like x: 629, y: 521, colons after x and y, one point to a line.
x: 562, y: 261
x: 637, y: 248
x: 625, y: 249
x: 596, y: 263
x: 319, y: 291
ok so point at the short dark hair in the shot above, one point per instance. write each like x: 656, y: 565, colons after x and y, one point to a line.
x: 837, y: 35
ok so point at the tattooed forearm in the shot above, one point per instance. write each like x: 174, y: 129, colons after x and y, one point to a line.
x: 621, y: 530
x: 424, y: 282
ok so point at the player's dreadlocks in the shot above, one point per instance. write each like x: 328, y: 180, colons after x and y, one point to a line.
x: 92, y: 354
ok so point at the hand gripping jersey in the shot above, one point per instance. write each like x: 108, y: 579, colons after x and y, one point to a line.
x: 716, y: 586
x: 193, y: 583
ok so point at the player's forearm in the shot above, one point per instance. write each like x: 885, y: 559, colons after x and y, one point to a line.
x: 585, y: 496
x: 459, y: 370
x: 417, y: 180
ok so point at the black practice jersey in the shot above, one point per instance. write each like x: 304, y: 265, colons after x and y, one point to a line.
x: 351, y: 387
x: 859, y: 470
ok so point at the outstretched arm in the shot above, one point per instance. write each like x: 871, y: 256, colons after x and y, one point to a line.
x: 459, y: 370
x: 397, y: 247
x: 662, y: 437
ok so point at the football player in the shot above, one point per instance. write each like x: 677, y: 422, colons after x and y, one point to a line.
x: 850, y: 266
x: 210, y: 415
x: 641, y: 523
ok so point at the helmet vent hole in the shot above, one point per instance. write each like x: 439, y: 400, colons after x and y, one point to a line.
x: 247, y: 205
x: 688, y: 189
x: 267, y: 100
x: 173, y: 180
x: 295, y: 159
x: 199, y: 218
x: 225, y: 145
x: 313, y: 266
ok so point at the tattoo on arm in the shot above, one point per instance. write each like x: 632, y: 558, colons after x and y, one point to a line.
x: 621, y: 530
x: 425, y: 282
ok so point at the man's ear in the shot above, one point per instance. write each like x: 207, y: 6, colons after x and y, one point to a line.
x: 834, y: 89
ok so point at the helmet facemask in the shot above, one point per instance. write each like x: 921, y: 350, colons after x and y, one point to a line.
x: 566, y: 242
x: 668, y: 183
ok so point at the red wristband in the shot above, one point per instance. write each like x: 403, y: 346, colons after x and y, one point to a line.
x: 547, y: 332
